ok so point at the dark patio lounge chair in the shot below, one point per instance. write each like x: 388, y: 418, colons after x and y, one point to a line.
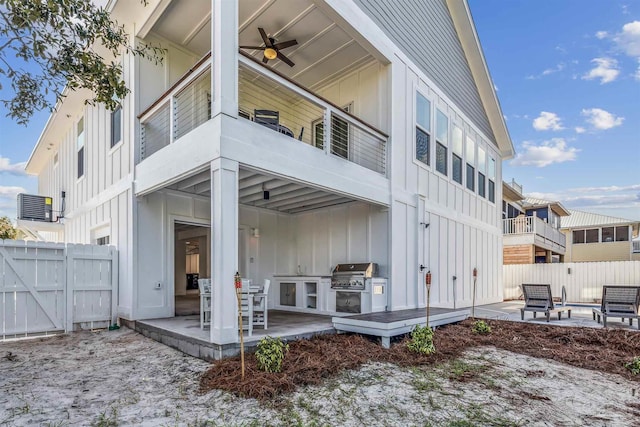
x: 538, y: 299
x: 619, y: 301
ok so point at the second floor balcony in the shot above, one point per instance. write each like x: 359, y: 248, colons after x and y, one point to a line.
x: 533, y: 230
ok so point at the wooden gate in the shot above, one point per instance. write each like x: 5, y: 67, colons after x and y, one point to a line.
x: 53, y: 287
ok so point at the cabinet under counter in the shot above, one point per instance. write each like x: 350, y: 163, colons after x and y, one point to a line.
x: 306, y: 294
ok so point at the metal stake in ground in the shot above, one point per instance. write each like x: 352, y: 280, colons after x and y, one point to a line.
x: 473, y: 304
x: 238, y: 283
x: 427, y: 281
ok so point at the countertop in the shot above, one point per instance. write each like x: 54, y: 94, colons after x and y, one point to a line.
x: 322, y: 276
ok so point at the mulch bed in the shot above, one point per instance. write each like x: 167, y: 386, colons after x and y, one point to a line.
x: 311, y: 361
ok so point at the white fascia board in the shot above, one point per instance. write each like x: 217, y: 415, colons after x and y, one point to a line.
x: 463, y: 21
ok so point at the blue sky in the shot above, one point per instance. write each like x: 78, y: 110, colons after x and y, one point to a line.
x: 568, y: 79
x: 567, y: 75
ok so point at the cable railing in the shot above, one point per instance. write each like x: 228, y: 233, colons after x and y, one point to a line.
x: 182, y: 108
x: 276, y: 102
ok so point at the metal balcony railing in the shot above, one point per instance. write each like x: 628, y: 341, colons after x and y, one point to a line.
x: 536, y: 226
x: 636, y: 246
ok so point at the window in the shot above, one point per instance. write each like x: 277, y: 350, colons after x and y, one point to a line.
x: 492, y: 180
x: 456, y: 160
x: 318, y: 134
x: 80, y: 147
x: 442, y: 140
x: 339, y: 135
x: 482, y: 166
x: 607, y: 234
x: 116, y: 126
x: 592, y: 235
x: 471, y: 172
x: 622, y: 233
x: 102, y: 241
x: 423, y: 129
x: 578, y: 236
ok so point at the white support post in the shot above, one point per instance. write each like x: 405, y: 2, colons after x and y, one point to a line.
x: 225, y: 57
x: 224, y: 250
x: 327, y: 131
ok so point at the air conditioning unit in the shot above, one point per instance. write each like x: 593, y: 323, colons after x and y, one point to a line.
x: 35, y: 208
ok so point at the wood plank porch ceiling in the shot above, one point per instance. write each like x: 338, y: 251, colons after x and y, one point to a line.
x: 284, y: 195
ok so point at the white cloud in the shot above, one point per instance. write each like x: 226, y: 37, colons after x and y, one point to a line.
x: 580, y: 129
x: 637, y: 73
x: 606, y: 70
x: 10, y: 191
x: 561, y: 66
x: 8, y: 200
x: 545, y: 154
x: 629, y: 39
x: 547, y: 121
x: 12, y: 168
x: 601, y: 119
x: 601, y: 35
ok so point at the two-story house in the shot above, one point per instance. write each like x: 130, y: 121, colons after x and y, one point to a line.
x: 376, y: 136
x: 531, y: 228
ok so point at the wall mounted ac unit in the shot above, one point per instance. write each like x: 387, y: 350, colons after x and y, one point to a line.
x: 35, y: 208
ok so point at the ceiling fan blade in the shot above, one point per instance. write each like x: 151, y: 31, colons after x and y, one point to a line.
x: 286, y: 60
x: 286, y: 44
x: 265, y: 39
x: 253, y: 47
x: 265, y: 59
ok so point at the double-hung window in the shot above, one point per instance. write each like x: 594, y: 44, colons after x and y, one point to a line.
x: 482, y: 170
x: 116, y: 126
x: 471, y: 172
x: 80, y: 147
x: 456, y: 158
x: 442, y: 140
x: 492, y: 180
x: 423, y: 129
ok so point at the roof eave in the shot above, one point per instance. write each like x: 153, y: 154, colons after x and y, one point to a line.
x: 463, y: 21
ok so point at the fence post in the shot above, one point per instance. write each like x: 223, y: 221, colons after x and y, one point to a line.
x: 115, y: 273
x: 69, y: 277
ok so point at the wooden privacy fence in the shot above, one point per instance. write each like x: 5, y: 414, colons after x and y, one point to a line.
x: 583, y: 281
x: 52, y: 287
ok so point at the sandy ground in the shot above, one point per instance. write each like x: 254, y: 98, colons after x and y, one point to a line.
x: 121, y: 378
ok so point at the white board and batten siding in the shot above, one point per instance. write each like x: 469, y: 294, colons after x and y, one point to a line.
x: 583, y: 281
x: 53, y: 287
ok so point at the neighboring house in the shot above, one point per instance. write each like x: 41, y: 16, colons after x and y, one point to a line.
x: 531, y: 228
x: 383, y: 143
x: 595, y: 237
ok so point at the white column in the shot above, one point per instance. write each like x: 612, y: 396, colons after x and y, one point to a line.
x: 224, y: 250
x: 225, y: 57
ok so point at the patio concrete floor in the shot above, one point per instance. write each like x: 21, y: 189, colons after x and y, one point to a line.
x: 580, y: 315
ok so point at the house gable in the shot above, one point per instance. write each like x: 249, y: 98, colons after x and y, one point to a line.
x: 426, y: 33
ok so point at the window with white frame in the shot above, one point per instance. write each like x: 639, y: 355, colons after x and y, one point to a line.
x: 456, y: 157
x: 423, y: 129
x: 100, y: 235
x: 482, y: 171
x: 80, y: 147
x: 442, y: 141
x: 116, y: 126
x: 471, y: 172
x: 492, y: 179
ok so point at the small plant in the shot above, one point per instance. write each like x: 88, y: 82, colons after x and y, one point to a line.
x: 270, y: 354
x: 634, y: 365
x: 422, y: 340
x: 481, y: 327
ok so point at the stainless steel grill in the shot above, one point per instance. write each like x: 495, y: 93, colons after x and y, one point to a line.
x: 353, y: 276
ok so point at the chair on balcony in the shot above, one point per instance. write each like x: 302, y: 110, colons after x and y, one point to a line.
x: 246, y: 305
x: 619, y: 301
x: 538, y: 299
x: 268, y: 118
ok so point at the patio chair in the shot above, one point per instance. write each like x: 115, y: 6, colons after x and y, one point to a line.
x: 538, y: 299
x: 619, y: 301
x: 260, y: 306
x: 246, y: 305
x: 268, y: 118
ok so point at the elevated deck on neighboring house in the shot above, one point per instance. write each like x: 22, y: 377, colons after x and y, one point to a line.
x: 389, y: 324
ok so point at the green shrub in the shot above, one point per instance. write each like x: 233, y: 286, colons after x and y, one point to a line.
x: 422, y: 340
x: 270, y: 354
x: 481, y: 327
x: 634, y: 365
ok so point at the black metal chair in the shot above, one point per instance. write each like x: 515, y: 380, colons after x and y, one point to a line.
x: 268, y: 118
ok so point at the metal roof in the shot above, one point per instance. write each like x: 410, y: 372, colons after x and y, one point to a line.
x: 579, y: 219
x: 555, y: 206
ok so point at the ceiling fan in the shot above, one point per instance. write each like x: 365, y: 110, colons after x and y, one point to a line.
x: 272, y: 49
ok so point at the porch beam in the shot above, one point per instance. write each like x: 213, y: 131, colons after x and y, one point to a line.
x: 286, y: 189
x: 194, y: 180
x: 289, y: 195
x: 224, y: 250
x: 310, y: 200
x: 341, y: 201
